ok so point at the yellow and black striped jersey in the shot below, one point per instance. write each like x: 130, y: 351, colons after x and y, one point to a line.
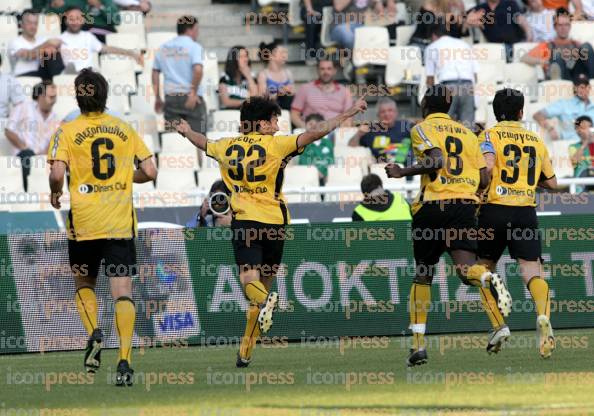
x: 521, y: 161
x: 252, y: 167
x: 459, y: 177
x: 100, y: 151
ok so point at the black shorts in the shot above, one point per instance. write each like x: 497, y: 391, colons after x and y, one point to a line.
x: 119, y: 257
x: 513, y: 227
x: 258, y: 246
x: 440, y: 226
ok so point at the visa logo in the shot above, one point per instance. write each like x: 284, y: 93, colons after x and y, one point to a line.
x: 176, y: 322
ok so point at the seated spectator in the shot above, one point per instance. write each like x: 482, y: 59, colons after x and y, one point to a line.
x: 215, y: 210
x: 11, y: 93
x: 588, y: 8
x: 562, y: 58
x: 33, y: 55
x: 311, y: 14
x: 379, y: 204
x: 276, y: 81
x: 567, y: 111
x: 450, y: 61
x: 540, y: 20
x: 501, y: 21
x: 78, y: 46
x: 143, y: 6
x: 348, y: 16
x: 237, y: 83
x: 321, y: 152
x: 323, y: 96
x: 582, y: 152
x: 431, y: 12
x: 181, y: 61
x: 32, y: 124
x: 388, y: 139
x: 102, y: 16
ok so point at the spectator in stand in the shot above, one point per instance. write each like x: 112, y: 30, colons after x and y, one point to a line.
x: 562, y: 58
x: 582, y: 152
x: 143, y: 6
x: 564, y: 4
x: 450, y: 61
x: 78, y: 46
x: 348, y: 16
x: 276, y: 81
x: 181, y: 61
x: 32, y: 124
x: 379, y: 204
x: 540, y: 20
x: 447, y: 12
x: 311, y: 14
x: 33, y: 55
x: 567, y: 111
x: 501, y: 21
x: 388, y: 139
x: 102, y: 16
x: 11, y: 93
x: 323, y: 96
x: 321, y: 152
x: 237, y: 83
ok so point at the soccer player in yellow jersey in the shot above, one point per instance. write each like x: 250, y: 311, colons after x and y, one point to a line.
x: 100, y: 152
x: 518, y: 162
x: 452, y: 169
x: 252, y: 166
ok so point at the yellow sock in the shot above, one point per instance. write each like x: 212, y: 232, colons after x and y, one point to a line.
x: 539, y: 289
x: 474, y: 274
x: 256, y: 292
x: 490, y: 306
x: 86, y: 303
x: 125, y: 315
x: 252, y: 331
x: 420, y: 299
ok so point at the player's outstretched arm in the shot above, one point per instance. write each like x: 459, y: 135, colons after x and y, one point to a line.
x: 327, y: 126
x: 197, y: 139
x: 432, y: 161
x: 146, y: 172
x: 56, y: 182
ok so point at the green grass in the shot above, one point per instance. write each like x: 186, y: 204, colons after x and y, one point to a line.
x: 309, y: 381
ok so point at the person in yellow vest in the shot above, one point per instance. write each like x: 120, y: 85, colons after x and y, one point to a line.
x: 379, y: 204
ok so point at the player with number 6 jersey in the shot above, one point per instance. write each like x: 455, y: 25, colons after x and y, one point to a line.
x: 252, y: 165
x: 101, y: 153
x: 518, y: 161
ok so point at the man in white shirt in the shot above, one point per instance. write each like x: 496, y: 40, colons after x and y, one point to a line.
x: 11, y: 93
x: 450, y: 61
x: 136, y: 5
x: 32, y: 124
x: 33, y: 55
x: 540, y: 20
x: 79, y: 46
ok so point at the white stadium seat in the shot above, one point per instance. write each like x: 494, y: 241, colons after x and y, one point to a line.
x: 295, y: 13
x: 178, y: 160
x: 403, y: 61
x: 207, y: 177
x: 560, y: 159
x: 14, y: 6
x: 522, y: 48
x: 554, y: 90
x: 28, y: 83
x: 8, y: 31
x: 284, y: 122
x: 342, y: 135
x: 11, y: 174
x: 301, y: 177
x: 38, y: 177
x: 371, y: 46
x: 522, y: 77
x: 176, y: 180
x: 176, y: 143
x: 582, y: 31
x: 210, y: 82
x: 225, y: 120
x: 132, y: 22
x: 6, y: 148
x: 343, y: 176
x: 66, y: 99
x: 404, y: 33
x: 125, y: 40
x: 353, y: 157
x: 50, y: 26
x: 489, y: 52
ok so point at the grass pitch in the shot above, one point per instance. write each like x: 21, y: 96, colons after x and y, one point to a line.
x: 351, y: 377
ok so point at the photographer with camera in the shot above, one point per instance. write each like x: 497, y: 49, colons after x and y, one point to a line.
x: 215, y: 210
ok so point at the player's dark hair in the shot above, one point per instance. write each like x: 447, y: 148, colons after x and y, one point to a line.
x: 91, y: 90
x: 370, y: 183
x: 561, y: 12
x: 185, y: 23
x: 507, y: 104
x: 266, y: 49
x: 437, y: 99
x: 219, y: 186
x: 314, y: 116
x: 232, y: 62
x: 27, y: 11
x: 581, y: 119
x: 256, y: 109
x: 70, y: 8
x: 40, y: 88
x: 327, y: 58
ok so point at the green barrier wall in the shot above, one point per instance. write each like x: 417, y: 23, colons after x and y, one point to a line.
x: 338, y: 279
